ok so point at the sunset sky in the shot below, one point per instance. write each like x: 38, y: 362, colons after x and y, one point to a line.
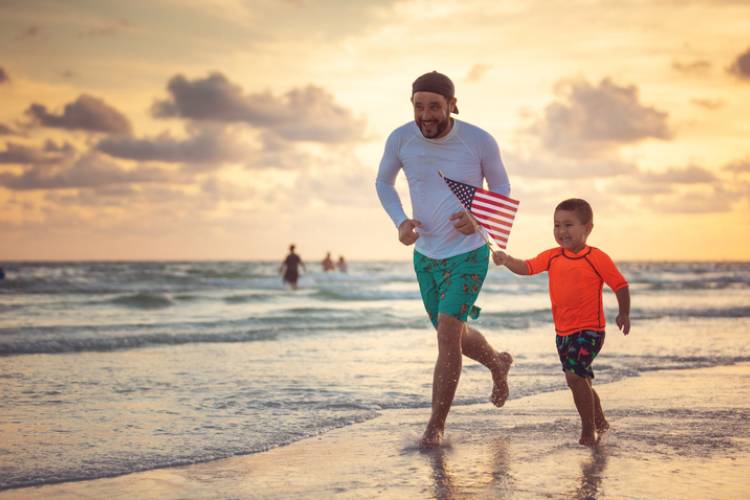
x: 227, y: 129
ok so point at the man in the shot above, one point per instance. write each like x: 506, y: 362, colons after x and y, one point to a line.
x: 450, y: 255
x: 290, y: 268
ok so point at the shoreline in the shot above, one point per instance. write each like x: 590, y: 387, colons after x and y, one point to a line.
x: 681, y: 433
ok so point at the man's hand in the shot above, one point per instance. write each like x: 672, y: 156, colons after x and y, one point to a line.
x: 499, y: 257
x: 623, y: 323
x: 406, y: 231
x: 464, y: 223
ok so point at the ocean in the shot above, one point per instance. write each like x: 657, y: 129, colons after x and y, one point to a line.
x: 108, y: 368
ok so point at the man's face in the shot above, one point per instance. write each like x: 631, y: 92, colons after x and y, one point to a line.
x: 432, y: 112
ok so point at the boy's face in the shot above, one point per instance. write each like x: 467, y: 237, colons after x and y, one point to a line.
x: 569, y: 232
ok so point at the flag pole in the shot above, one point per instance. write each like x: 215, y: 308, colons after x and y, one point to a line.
x: 474, y: 222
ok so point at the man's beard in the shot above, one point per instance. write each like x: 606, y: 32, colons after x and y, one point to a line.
x: 439, y: 128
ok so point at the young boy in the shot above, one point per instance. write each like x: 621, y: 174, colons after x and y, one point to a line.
x: 577, y: 273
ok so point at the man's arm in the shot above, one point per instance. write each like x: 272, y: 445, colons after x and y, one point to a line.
x: 518, y: 266
x: 385, y: 183
x: 407, y: 233
x: 623, y: 317
x: 493, y: 168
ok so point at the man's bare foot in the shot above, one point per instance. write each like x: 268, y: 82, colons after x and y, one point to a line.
x: 602, y: 427
x: 431, y: 438
x: 500, y: 390
x: 588, y: 439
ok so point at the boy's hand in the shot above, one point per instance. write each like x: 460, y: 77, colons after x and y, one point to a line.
x: 499, y: 257
x: 623, y: 323
x: 406, y: 231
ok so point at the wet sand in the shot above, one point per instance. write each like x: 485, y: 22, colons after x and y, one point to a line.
x: 675, y: 434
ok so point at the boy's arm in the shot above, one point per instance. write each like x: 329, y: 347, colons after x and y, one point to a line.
x: 516, y: 265
x: 623, y: 317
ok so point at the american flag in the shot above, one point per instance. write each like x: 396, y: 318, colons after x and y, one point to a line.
x: 493, y: 211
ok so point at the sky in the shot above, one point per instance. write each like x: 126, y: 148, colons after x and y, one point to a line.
x: 228, y: 129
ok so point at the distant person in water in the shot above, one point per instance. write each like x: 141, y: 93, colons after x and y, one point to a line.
x: 327, y: 263
x: 341, y: 264
x: 290, y: 268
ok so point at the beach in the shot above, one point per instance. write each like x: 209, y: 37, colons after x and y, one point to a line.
x: 675, y: 434
x: 211, y: 380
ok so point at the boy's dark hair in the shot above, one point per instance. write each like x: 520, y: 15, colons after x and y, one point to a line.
x: 580, y: 207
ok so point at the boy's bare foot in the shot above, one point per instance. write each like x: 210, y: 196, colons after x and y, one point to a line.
x: 588, y: 439
x: 500, y: 390
x: 431, y: 438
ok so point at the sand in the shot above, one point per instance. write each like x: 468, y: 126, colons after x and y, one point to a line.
x: 675, y: 434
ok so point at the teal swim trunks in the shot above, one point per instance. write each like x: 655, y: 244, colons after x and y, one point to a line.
x: 451, y: 286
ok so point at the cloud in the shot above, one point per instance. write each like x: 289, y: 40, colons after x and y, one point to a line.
x: 741, y: 66
x: 717, y: 200
x: 476, y: 72
x: 694, y: 67
x: 89, y: 171
x: 5, y: 130
x: 541, y: 165
x: 588, y: 119
x: 26, y: 155
x: 108, y: 29
x: 687, y: 175
x: 209, y: 145
x: 653, y: 183
x: 710, y: 104
x: 85, y: 113
x: 4, y: 78
x: 30, y: 32
x: 302, y: 114
x: 739, y: 166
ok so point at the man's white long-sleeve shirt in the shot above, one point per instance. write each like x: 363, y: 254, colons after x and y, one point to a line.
x: 467, y: 154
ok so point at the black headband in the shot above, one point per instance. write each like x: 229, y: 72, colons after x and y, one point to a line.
x: 435, y: 82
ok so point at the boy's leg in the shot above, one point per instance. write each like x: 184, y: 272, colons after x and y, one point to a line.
x: 476, y: 347
x: 445, y: 377
x: 599, y: 421
x: 583, y: 396
x: 577, y: 353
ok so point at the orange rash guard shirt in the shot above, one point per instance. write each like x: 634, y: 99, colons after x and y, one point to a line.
x: 575, y: 286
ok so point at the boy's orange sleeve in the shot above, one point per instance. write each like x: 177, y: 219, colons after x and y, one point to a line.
x: 540, y: 263
x: 608, y: 270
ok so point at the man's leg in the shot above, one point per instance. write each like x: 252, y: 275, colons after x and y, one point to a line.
x: 445, y: 378
x: 475, y: 346
x: 584, y: 399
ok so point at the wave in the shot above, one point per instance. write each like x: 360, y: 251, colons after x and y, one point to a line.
x: 712, y: 312
x: 106, y: 344
x: 360, y: 294
x: 724, y: 283
x: 144, y: 300
x: 246, y: 298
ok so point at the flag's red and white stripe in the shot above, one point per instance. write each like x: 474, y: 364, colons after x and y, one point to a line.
x: 495, y: 213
